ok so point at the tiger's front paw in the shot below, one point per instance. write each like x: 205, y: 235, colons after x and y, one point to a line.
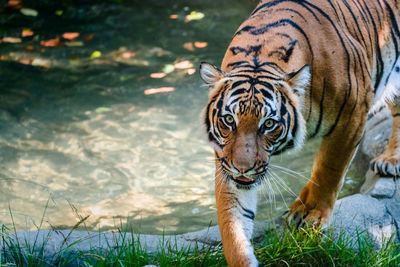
x: 308, y: 214
x: 386, y: 165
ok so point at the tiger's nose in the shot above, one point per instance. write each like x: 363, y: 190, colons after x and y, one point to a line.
x: 242, y: 168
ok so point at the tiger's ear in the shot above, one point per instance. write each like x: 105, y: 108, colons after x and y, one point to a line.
x: 299, y: 80
x: 210, y: 74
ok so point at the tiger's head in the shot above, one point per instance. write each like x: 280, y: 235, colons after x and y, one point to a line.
x: 251, y: 116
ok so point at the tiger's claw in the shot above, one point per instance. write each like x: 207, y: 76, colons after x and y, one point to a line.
x: 385, y: 165
x: 301, y: 216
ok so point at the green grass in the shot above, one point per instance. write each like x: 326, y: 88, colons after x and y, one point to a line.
x: 325, y: 248
x: 287, y: 248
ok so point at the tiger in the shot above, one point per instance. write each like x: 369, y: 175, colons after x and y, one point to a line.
x: 295, y: 70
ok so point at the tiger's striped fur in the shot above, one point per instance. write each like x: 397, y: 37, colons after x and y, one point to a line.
x: 298, y: 68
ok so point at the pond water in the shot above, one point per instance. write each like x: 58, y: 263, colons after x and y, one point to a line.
x: 78, y: 136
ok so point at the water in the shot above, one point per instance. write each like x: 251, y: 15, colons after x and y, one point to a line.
x: 78, y: 136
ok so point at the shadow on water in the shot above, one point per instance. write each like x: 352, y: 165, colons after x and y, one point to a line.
x: 79, y: 130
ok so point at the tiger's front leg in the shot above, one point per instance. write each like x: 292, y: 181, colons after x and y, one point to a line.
x: 236, y: 210
x: 316, y: 200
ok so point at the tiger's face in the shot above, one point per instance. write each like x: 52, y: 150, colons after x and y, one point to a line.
x: 250, y: 118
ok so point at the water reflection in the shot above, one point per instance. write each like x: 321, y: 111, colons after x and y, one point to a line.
x: 84, y: 138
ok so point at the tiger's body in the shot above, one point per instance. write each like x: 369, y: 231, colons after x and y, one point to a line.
x: 298, y: 69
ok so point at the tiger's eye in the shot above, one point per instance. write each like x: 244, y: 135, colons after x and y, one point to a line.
x: 269, y: 123
x: 229, y: 119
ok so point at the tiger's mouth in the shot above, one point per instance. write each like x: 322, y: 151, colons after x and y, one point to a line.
x: 243, y: 181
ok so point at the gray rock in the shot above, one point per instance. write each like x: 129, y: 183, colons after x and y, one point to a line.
x: 394, y: 210
x: 397, y: 195
x: 363, y: 214
x: 384, y: 188
x: 377, y: 133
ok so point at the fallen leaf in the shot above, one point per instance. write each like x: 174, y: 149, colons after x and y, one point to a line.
x: 11, y: 40
x: 131, y: 109
x: 59, y: 12
x: 14, y: 3
x: 186, y: 64
x: 200, y: 44
x: 25, y: 61
x: 174, y: 16
x: 29, y: 12
x: 29, y: 48
x: 194, y: 15
x: 158, y: 75
x: 70, y: 35
x: 95, y: 54
x: 74, y: 43
x: 168, y: 68
x: 103, y: 109
x: 128, y: 54
x: 152, y: 91
x: 88, y: 37
x: 51, y: 43
x: 191, y: 71
x: 188, y: 46
x: 26, y: 33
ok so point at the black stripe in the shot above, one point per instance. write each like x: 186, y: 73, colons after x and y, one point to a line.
x: 271, y: 4
x: 266, y: 94
x: 294, y: 130
x: 247, y: 213
x: 207, y: 119
x: 246, y: 28
x: 291, y: 10
x: 238, y: 91
x: 379, y: 60
x: 238, y: 83
x: 237, y: 63
x: 321, y: 111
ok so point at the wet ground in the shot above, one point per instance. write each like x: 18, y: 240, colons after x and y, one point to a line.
x: 80, y: 133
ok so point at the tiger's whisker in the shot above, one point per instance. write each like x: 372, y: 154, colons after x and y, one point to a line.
x: 273, y: 179
x: 292, y: 173
x: 282, y: 183
x: 288, y: 170
x: 287, y: 188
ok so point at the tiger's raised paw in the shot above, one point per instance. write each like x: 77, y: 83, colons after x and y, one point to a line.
x: 301, y: 215
x: 385, y: 165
